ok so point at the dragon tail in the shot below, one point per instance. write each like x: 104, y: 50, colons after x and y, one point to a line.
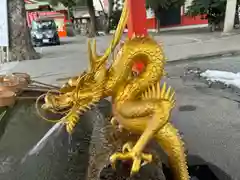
x: 164, y: 93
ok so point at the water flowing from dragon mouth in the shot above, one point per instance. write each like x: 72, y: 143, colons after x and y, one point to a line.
x: 54, y: 131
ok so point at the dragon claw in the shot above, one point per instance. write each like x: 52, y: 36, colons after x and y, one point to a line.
x: 114, y: 121
x: 127, y: 147
x: 115, y: 124
x: 138, y: 158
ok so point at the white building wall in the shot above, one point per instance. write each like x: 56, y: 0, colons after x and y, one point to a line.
x: 187, y: 3
x: 98, y: 6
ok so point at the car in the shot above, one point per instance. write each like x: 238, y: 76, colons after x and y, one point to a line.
x: 44, y: 32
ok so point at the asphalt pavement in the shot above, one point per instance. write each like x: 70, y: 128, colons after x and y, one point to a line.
x: 71, y: 56
x: 208, y: 116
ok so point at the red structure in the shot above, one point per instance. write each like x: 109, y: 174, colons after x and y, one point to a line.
x: 150, y: 23
x: 184, y: 20
x: 137, y: 24
x: 137, y: 18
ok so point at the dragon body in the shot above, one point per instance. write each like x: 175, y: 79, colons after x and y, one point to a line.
x: 141, y: 106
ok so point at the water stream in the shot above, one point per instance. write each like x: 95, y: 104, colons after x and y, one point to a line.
x: 59, y: 158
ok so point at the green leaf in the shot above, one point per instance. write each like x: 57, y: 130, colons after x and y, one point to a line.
x: 201, y: 7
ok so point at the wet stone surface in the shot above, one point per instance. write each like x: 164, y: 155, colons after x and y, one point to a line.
x: 105, y: 141
x: 58, y: 160
x: 148, y: 172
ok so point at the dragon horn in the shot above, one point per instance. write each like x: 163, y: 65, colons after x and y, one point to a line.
x: 117, y: 36
x: 90, y: 56
x: 94, y: 50
x: 95, y: 61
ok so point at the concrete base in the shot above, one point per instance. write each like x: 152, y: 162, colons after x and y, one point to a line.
x: 171, y: 28
x: 179, y: 28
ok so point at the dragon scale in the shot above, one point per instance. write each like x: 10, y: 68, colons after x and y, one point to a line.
x: 140, y: 105
x: 151, y: 55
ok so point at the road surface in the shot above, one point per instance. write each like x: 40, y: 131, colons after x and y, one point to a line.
x: 208, y: 117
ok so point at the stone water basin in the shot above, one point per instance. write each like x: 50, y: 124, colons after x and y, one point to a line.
x: 21, y: 128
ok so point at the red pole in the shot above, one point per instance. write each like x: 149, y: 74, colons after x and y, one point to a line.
x: 137, y: 24
x: 137, y: 18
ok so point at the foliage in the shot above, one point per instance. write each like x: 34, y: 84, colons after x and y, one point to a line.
x: 114, y: 18
x: 93, y: 22
x: 164, y: 4
x: 201, y: 7
x: 214, y: 9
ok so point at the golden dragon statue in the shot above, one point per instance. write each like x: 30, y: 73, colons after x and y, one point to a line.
x: 141, y: 105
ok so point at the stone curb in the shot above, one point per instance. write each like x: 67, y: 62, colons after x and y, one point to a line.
x: 204, y: 57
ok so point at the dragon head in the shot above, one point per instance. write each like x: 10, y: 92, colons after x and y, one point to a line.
x: 80, y: 92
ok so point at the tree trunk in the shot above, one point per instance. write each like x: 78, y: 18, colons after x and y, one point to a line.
x: 157, y: 15
x: 236, y: 21
x: 110, y: 12
x: 20, y: 46
x: 91, y: 10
